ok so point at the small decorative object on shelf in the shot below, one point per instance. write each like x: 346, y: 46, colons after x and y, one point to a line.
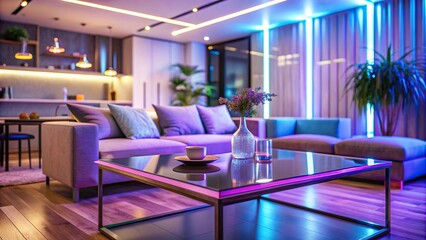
x: 55, y: 48
x: 243, y: 103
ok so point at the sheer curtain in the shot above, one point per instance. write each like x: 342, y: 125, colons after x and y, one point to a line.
x: 339, y: 41
x: 402, y: 23
x: 287, y: 70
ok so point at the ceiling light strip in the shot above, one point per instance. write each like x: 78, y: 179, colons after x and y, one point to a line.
x: 226, y: 17
x: 130, y: 13
x: 184, y: 14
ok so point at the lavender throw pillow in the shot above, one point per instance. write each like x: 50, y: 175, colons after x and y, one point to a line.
x: 107, y: 127
x: 217, y: 119
x: 135, y: 123
x: 179, y: 120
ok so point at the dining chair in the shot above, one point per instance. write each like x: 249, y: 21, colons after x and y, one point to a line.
x: 16, y: 136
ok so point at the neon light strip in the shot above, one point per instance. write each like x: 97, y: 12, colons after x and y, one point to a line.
x: 130, y: 13
x: 266, y: 106
x: 309, y: 69
x: 370, y: 57
x: 44, y: 74
x: 226, y: 17
x: 310, y: 162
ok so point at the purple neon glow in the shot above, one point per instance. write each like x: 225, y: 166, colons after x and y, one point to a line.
x: 247, y: 189
x: 301, y: 179
x: 171, y: 182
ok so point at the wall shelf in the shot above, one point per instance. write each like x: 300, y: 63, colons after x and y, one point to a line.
x: 63, y: 55
x: 45, y: 70
x: 30, y: 42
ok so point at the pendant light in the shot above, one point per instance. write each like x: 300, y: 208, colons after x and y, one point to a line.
x: 83, y: 63
x: 24, y: 55
x: 55, y: 48
x: 110, y: 71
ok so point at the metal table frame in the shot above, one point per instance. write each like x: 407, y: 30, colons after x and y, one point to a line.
x: 227, y: 197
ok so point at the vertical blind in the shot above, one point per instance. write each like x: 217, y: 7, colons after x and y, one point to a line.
x: 402, y: 23
x: 340, y: 40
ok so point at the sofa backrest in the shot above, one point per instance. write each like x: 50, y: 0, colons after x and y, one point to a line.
x: 280, y: 126
x: 334, y: 127
x: 153, y: 115
x: 283, y: 126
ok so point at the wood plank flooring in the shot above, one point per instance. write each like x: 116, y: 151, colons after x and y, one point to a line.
x: 37, y: 211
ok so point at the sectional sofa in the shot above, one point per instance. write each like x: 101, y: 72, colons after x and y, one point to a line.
x: 71, y: 148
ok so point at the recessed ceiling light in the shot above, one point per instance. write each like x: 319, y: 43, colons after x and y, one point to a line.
x: 195, y: 10
x: 147, y: 28
x: 226, y: 17
x: 130, y: 13
x: 24, y: 3
x: 206, y: 38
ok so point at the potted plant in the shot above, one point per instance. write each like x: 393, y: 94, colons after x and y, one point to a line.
x: 389, y: 86
x: 16, y: 34
x: 188, y: 93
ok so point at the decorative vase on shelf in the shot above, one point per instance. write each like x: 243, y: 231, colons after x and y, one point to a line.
x: 242, y: 142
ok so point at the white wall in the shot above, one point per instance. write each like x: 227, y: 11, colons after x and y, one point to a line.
x: 149, y: 62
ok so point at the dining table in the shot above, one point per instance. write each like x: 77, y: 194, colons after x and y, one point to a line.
x: 7, y: 122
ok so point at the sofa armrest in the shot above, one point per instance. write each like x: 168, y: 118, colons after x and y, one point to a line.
x: 69, y: 152
x: 257, y: 126
x: 344, y: 128
x: 280, y: 126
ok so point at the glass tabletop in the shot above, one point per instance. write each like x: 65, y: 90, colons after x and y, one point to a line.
x: 227, y: 173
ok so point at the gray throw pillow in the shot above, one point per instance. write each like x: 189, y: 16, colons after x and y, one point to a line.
x: 179, y: 120
x: 107, y: 127
x: 135, y: 123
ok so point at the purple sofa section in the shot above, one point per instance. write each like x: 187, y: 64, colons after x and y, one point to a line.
x: 306, y: 142
x: 215, y: 143
x: 386, y: 148
x: 408, y: 156
x: 123, y: 147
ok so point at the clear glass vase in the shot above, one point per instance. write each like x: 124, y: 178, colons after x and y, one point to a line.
x: 242, y: 142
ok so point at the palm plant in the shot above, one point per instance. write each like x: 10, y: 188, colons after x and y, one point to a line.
x: 389, y: 86
x: 187, y: 93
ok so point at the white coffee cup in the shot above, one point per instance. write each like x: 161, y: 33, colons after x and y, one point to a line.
x: 196, y: 152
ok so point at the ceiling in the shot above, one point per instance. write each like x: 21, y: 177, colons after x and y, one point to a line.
x: 71, y: 16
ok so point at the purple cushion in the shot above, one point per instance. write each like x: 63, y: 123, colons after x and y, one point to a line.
x: 306, y: 142
x: 385, y: 148
x: 215, y: 143
x: 216, y: 120
x: 179, y: 120
x: 124, y: 147
x: 107, y: 127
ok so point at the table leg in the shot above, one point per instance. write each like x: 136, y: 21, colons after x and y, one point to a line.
x: 100, y: 198
x: 6, y: 144
x: 218, y: 221
x: 388, y: 200
x: 39, y: 146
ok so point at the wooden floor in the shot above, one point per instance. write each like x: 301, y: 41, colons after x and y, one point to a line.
x: 35, y: 211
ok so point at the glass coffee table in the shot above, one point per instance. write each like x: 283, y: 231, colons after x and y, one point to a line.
x: 236, y: 196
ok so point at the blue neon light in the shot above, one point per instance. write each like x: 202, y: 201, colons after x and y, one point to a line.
x: 266, y: 106
x: 370, y: 57
x: 310, y: 162
x: 309, y: 69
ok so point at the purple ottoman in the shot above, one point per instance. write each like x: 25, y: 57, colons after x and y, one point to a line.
x: 408, y: 156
